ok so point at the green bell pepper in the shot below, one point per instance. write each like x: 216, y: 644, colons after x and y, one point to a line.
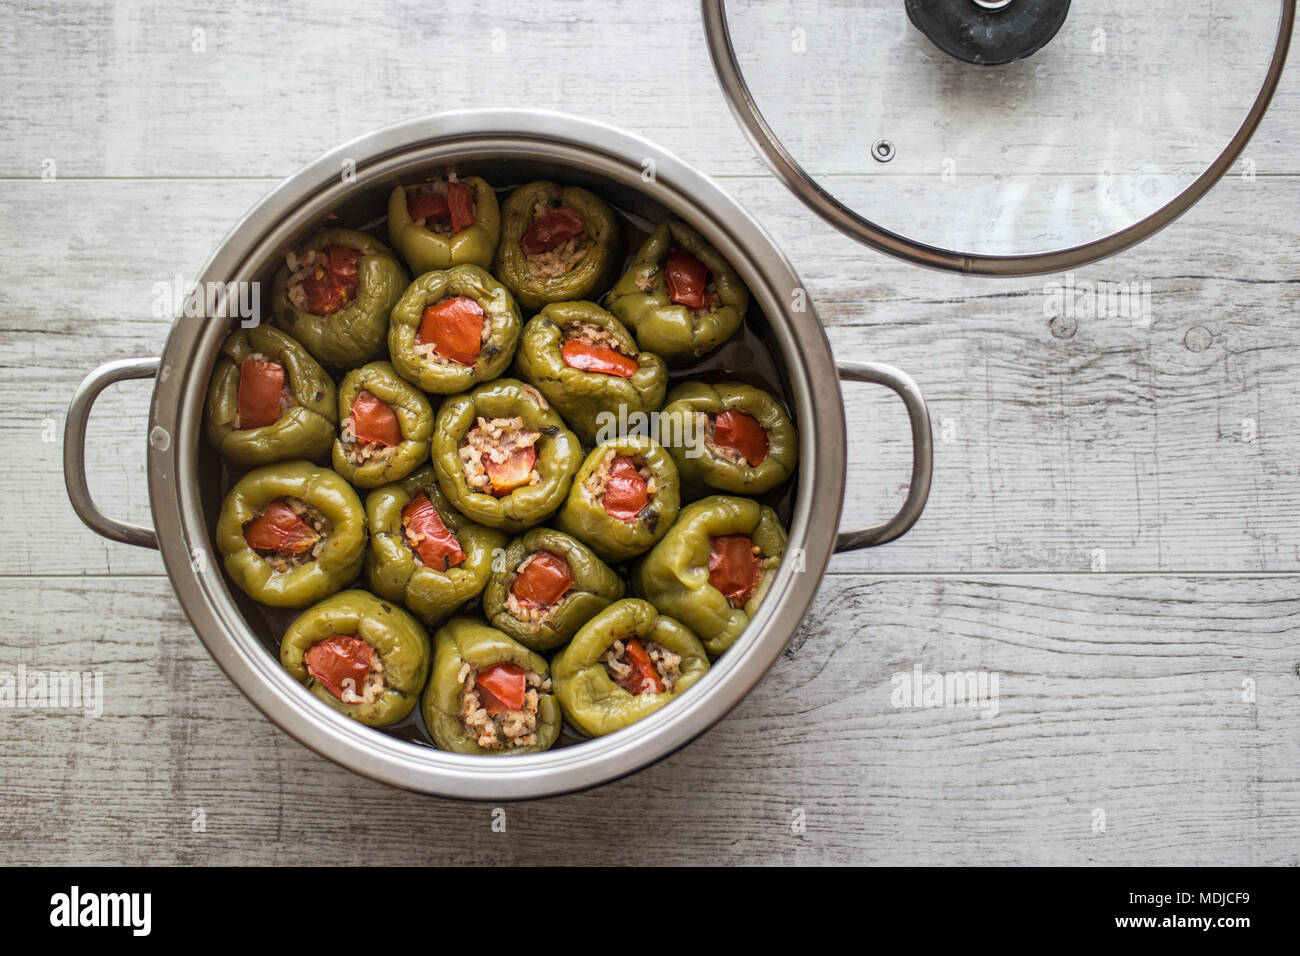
x: 557, y: 452
x: 355, y: 333
x: 677, y: 332
x: 304, y: 430
x: 589, y: 367
x: 536, y: 622
x: 333, y: 562
x: 591, y: 699
x: 461, y: 648
x: 420, y: 363
x: 368, y: 465
x: 675, y: 576
x: 591, y: 256
x: 607, y: 509
x: 398, y: 640
x: 425, y: 249
x: 708, y: 461
x: 394, y: 568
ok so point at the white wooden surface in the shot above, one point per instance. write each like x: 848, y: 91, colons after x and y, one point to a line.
x: 1169, y: 452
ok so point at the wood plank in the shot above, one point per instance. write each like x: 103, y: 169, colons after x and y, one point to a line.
x: 1135, y: 712
x: 132, y: 95
x: 1171, y: 447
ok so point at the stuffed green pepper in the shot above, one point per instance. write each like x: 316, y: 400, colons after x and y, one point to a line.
x: 503, y: 456
x: 625, y: 498
x: 445, y: 222
x: 713, y: 567
x: 291, y: 534
x: 680, y: 296
x: 624, y: 664
x: 334, y: 293
x: 385, y: 426
x: 453, y: 329
x: 423, y: 552
x: 488, y: 694
x: 364, y: 657
x: 589, y: 367
x: 547, y: 585
x: 558, y: 244
x: 740, y: 439
x: 269, y: 400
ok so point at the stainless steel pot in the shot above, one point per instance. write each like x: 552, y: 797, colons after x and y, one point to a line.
x: 504, y: 146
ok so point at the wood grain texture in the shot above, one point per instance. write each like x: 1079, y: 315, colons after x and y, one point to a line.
x: 1137, y: 713
x: 134, y: 97
x: 1164, y: 450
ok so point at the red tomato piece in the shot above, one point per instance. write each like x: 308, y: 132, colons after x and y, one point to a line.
x: 373, y: 422
x: 430, y: 207
x: 588, y: 357
x: 437, y: 547
x: 558, y: 225
x: 324, y: 296
x: 741, y: 433
x: 340, y: 663
x: 502, y: 686
x: 512, y: 473
x: 625, y: 494
x: 454, y: 327
x: 261, y: 384
x: 460, y: 203
x: 734, y: 569
x: 546, y: 579
x: 279, y: 529
x: 332, y: 286
x: 343, y: 264
x: 643, y: 677
x: 687, y: 278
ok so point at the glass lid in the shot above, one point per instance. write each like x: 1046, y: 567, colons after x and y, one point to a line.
x: 999, y: 137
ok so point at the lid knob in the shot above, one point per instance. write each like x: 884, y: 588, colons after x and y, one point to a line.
x: 988, y: 32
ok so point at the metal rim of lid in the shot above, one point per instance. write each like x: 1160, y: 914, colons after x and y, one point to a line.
x: 858, y: 227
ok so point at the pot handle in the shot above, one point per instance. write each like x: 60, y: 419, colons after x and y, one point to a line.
x: 922, y: 453
x: 74, y: 450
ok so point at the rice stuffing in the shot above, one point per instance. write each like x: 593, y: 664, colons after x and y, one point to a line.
x: 596, y: 335
x: 556, y: 262
x: 373, y: 688
x: 313, y: 263
x: 437, y: 187
x: 511, y: 728
x: 598, y: 480
x: 527, y: 611
x: 667, y: 663
x: 283, y: 561
x: 704, y: 425
x: 494, y: 440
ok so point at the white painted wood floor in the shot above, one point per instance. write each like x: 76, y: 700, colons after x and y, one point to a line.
x: 1169, y: 451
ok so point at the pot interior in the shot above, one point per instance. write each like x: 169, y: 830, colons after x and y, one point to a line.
x: 749, y: 357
